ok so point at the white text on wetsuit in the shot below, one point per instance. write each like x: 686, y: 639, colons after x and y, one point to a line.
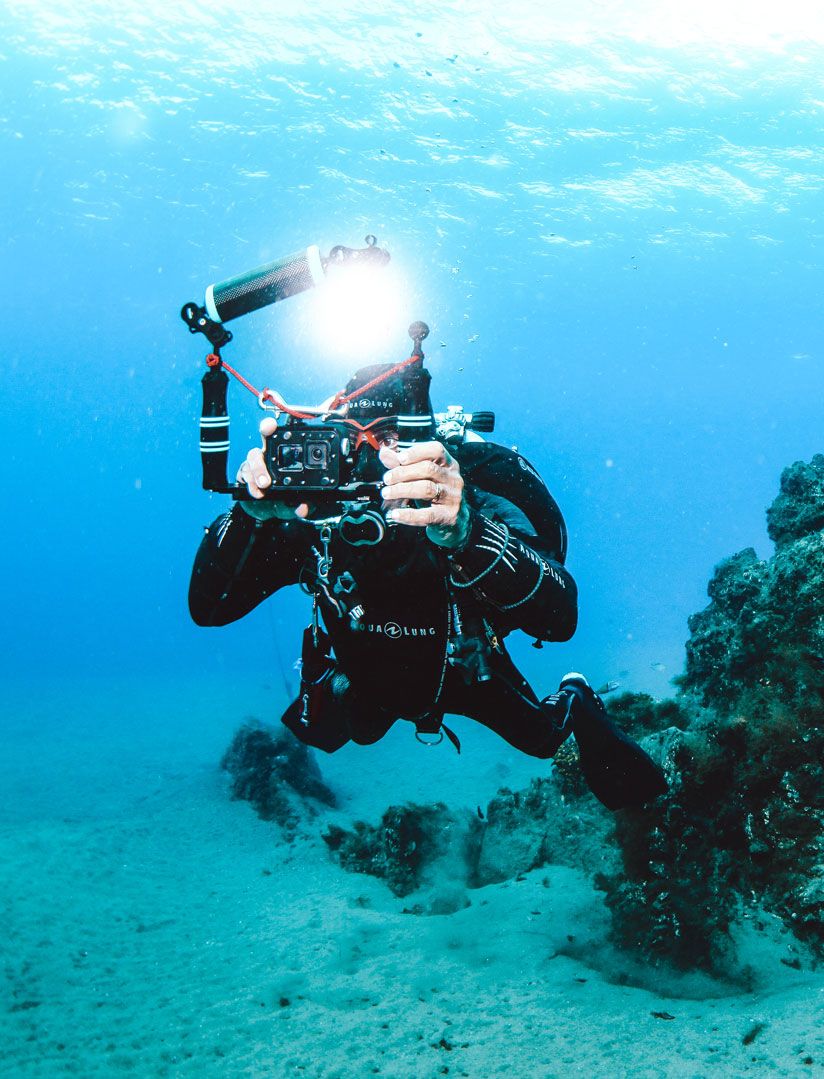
x: 395, y: 631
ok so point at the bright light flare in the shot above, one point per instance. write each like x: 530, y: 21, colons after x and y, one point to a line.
x: 358, y: 315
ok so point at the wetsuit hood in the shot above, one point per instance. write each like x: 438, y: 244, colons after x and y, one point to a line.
x: 388, y: 398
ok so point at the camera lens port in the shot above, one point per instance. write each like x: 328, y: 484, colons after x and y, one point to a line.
x: 317, y: 455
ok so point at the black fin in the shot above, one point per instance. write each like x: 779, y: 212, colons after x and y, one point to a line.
x: 619, y: 773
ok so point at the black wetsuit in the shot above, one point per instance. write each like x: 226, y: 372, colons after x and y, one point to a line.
x: 398, y: 658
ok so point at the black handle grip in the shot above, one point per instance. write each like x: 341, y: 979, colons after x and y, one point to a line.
x: 214, y: 429
x: 483, y: 422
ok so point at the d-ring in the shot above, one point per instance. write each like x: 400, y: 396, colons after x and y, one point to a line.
x: 438, y: 494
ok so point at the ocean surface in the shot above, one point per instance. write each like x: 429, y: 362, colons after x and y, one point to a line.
x: 611, y: 221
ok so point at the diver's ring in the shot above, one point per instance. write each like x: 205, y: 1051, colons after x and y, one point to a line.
x: 438, y: 495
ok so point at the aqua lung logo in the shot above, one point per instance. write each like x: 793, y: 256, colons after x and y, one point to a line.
x: 371, y: 402
x: 527, y: 467
x: 394, y: 632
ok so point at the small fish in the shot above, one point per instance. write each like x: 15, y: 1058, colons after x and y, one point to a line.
x: 473, y: 338
x: 656, y: 666
x: 608, y: 687
x: 662, y: 1015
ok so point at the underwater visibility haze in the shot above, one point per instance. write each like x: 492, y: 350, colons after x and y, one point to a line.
x: 611, y: 221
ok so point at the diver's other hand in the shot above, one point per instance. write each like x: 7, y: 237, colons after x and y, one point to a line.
x: 426, y: 474
x: 255, y: 477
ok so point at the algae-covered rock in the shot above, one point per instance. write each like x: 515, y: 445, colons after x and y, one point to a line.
x: 674, y: 900
x: 764, y: 627
x: 276, y: 773
x: 799, y: 509
x: 639, y: 714
x: 717, y: 658
x: 744, y: 819
x: 543, y: 826
x: 413, y: 846
x: 410, y: 847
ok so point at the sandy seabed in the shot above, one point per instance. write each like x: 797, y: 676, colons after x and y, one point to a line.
x: 153, y: 926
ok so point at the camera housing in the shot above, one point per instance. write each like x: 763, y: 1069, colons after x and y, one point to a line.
x: 305, y: 458
x: 313, y: 456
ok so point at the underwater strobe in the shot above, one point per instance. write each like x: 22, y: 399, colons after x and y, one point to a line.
x: 269, y: 284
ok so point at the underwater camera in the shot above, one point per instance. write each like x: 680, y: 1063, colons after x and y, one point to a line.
x: 332, y: 451
x: 316, y: 456
x: 312, y: 455
x: 325, y: 455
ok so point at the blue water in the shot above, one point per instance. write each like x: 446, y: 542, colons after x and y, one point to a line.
x: 629, y: 233
x: 611, y: 221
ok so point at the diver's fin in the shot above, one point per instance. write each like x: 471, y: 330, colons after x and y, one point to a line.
x: 617, y: 771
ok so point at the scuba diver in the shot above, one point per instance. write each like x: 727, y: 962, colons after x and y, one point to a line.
x: 472, y: 546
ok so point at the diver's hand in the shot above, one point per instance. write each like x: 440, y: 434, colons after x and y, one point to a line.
x: 427, y: 476
x: 254, y: 474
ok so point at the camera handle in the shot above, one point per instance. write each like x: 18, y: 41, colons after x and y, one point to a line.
x: 416, y: 424
x: 214, y: 429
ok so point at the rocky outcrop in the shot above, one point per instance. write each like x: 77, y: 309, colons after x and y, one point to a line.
x: 798, y: 511
x: 553, y: 822
x: 761, y: 639
x: 277, y: 774
x: 640, y: 715
x: 413, y: 847
x: 743, y: 822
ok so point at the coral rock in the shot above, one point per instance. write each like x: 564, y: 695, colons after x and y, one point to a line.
x: 276, y: 773
x: 540, y: 826
x: 413, y: 846
x: 799, y: 509
x: 744, y: 820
